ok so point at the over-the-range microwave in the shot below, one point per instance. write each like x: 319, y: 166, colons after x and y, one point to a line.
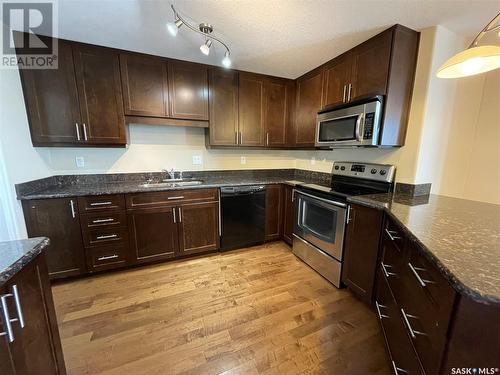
x: 352, y: 124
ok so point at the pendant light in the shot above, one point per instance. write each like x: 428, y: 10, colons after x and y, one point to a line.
x: 204, y: 29
x: 475, y: 59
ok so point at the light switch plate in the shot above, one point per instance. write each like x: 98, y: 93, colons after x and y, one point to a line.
x: 197, y: 160
x: 243, y: 160
x: 80, y: 162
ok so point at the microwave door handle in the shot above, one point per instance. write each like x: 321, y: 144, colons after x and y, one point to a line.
x: 360, y: 123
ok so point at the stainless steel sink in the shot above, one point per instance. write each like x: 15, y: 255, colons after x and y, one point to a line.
x: 177, y: 183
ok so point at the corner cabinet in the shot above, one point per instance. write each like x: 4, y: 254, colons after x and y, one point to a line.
x: 36, y: 347
x: 79, y: 104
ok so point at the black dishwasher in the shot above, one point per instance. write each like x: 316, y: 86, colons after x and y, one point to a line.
x: 243, y: 216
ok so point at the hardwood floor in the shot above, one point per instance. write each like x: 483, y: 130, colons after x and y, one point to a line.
x: 252, y: 311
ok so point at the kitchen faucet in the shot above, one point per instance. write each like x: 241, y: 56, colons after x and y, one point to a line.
x: 171, y: 173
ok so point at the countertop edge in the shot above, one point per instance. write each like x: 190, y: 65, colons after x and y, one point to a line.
x: 456, y: 283
x: 14, y: 268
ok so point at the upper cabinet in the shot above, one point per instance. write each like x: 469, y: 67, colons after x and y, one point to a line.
x: 145, y: 85
x: 251, y: 109
x: 336, y: 80
x: 308, y: 101
x: 279, y: 94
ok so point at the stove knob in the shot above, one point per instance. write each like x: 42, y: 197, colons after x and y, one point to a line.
x: 342, y: 168
x: 373, y: 171
x: 336, y: 167
x: 383, y: 171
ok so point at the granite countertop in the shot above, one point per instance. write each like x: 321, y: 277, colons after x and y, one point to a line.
x: 462, y: 237
x: 122, y: 187
x: 14, y: 255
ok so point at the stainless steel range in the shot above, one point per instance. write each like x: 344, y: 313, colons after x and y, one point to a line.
x: 321, y: 213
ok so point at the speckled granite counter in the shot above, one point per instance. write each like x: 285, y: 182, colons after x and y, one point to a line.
x: 80, y: 185
x: 461, y: 237
x: 14, y: 255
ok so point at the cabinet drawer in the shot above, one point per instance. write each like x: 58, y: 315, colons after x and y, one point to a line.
x: 107, y: 257
x: 101, y: 203
x: 394, y: 233
x: 402, y: 354
x: 101, y: 220
x: 169, y: 198
x: 105, y: 237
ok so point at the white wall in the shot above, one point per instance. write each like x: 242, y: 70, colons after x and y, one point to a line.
x: 453, y: 128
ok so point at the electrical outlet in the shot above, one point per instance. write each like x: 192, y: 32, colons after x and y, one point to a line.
x: 197, y: 160
x: 80, y: 161
x: 313, y: 160
x: 243, y: 160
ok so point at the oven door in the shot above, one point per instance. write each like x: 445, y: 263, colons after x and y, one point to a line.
x: 321, y: 222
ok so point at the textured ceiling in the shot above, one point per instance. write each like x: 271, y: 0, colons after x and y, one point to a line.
x: 279, y: 37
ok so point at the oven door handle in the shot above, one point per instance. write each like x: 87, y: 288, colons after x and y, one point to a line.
x: 360, y: 123
x: 338, y: 204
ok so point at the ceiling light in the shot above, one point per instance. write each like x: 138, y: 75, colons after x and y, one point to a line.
x: 173, y: 27
x: 475, y: 59
x: 226, y: 61
x: 205, y: 47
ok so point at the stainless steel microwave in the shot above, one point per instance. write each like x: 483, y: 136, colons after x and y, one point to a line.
x: 352, y: 124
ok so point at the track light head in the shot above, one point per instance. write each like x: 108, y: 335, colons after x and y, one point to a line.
x: 226, y: 61
x: 173, y: 27
x: 205, y: 47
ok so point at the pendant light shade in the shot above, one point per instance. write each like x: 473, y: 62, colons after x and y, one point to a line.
x: 472, y: 61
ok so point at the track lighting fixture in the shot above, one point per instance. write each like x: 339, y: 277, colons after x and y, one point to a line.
x: 204, y: 29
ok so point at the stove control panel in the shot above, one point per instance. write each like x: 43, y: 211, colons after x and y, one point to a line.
x: 370, y: 171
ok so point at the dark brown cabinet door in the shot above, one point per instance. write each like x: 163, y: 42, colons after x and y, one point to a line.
x: 145, y: 85
x: 336, y: 80
x: 308, y: 103
x: 223, y: 107
x: 100, y: 95
x: 36, y: 348
x: 273, y: 212
x: 251, y: 109
x: 51, y: 99
x: 361, y: 250
x: 153, y: 234
x: 370, y: 63
x: 198, y: 227
x: 6, y: 361
x: 188, y: 90
x: 288, y: 213
x: 58, y: 220
x: 277, y: 111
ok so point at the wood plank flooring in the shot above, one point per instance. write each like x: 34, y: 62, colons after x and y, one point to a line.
x: 252, y: 311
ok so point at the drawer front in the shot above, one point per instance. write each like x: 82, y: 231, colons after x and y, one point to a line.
x: 392, y: 267
x: 402, y: 354
x: 394, y: 233
x: 105, y: 237
x: 101, y: 220
x: 107, y: 257
x: 169, y: 198
x: 101, y: 203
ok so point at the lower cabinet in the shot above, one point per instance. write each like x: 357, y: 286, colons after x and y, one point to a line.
x: 35, y: 347
x: 288, y: 213
x: 361, y: 250
x: 274, y: 202
x: 198, y: 227
x: 59, y: 220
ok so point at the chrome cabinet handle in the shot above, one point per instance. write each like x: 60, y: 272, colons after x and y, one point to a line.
x: 101, y: 203
x: 267, y: 139
x: 98, y: 221
x: 423, y: 283
x: 349, y: 93
x: 220, y: 217
x: 390, y: 234
x: 6, y: 318
x: 241, y: 138
x: 413, y: 333
x: 173, y: 212
x: 85, y: 132
x: 107, y: 236
x: 384, y: 269
x: 236, y: 137
x: 177, y: 197
x: 77, y: 132
x: 180, y: 215
x: 72, y: 205
x: 379, y: 313
x: 17, y: 300
x: 107, y: 257
x: 397, y: 369
x: 348, y: 220
x: 343, y: 95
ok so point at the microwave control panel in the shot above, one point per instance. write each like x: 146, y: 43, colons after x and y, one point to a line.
x: 368, y: 130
